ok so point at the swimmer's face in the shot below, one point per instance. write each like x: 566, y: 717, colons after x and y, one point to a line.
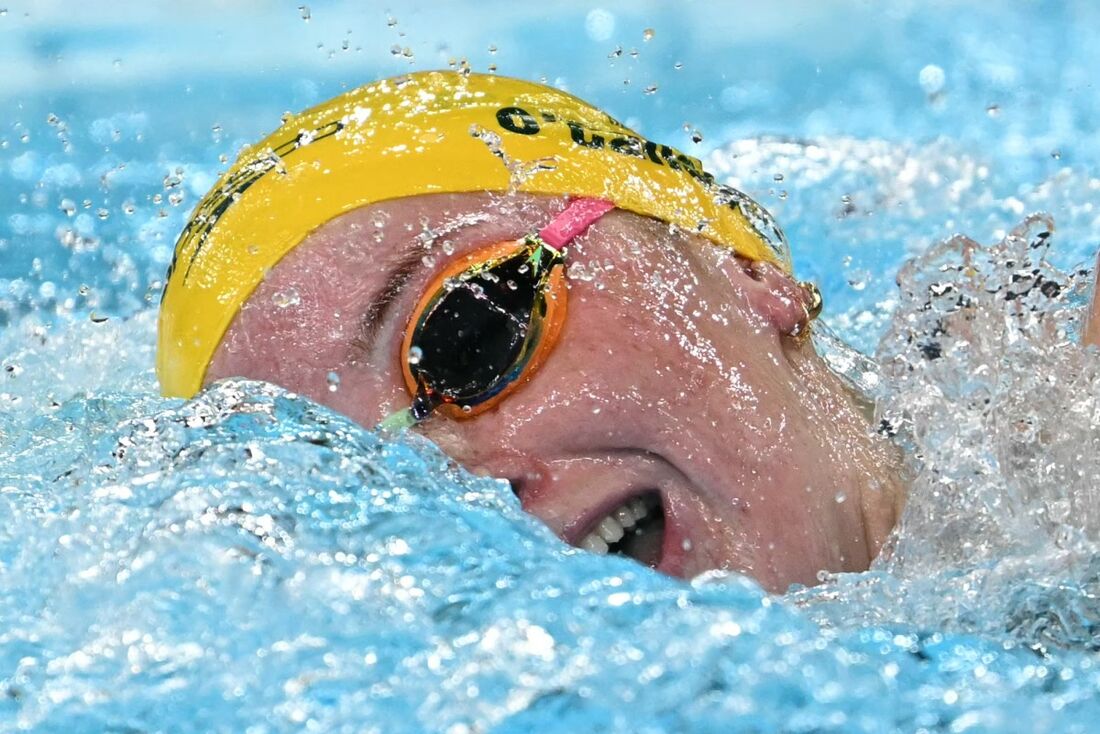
x: 674, y: 402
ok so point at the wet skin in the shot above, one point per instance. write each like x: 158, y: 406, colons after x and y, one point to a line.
x: 675, y: 378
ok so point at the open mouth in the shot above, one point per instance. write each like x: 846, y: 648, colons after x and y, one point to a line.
x: 635, y: 529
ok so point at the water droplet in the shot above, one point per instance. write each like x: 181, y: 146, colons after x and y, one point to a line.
x: 993, y: 110
x: 415, y: 354
x: 678, y: 65
x: 931, y: 79
x: 858, y: 279
x: 599, y: 24
x: 391, y: 21
x: 492, y: 49
x: 128, y: 208
x: 1056, y: 154
x: 696, y: 136
x: 840, y: 497
x: 68, y: 206
x: 333, y: 381
x: 651, y: 89
x: 616, y: 53
x: 647, y: 34
x: 467, y: 409
x: 395, y: 49
x: 284, y: 299
x: 305, y: 12
x: 102, y: 214
x: 777, y: 177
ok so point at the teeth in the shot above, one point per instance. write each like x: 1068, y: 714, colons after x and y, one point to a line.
x: 610, y: 530
x: 613, y: 527
x: 594, y: 544
x: 625, y: 516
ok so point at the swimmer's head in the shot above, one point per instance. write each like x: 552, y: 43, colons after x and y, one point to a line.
x: 677, y: 415
x: 424, y: 133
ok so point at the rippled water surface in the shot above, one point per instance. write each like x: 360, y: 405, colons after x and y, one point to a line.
x: 249, y: 561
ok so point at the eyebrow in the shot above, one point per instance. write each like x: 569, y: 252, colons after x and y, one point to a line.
x: 380, y: 305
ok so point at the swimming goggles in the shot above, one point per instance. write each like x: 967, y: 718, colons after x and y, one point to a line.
x: 489, y: 320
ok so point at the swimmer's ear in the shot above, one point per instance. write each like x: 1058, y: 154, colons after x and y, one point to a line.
x: 778, y: 298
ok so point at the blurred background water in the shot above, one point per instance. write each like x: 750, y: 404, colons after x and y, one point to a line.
x: 250, y: 561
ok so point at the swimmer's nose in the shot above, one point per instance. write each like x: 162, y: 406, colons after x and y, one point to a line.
x: 773, y: 295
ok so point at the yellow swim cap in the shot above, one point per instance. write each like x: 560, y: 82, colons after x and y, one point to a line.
x: 424, y: 133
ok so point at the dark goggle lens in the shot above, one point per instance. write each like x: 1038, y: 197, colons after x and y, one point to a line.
x: 475, y: 335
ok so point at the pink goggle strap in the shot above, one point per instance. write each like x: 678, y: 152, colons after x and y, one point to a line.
x: 573, y: 221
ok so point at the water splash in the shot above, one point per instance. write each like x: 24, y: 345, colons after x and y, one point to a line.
x: 984, y: 381
x: 251, y: 559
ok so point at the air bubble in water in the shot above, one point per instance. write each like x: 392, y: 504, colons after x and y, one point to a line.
x: 840, y: 497
x: 647, y: 34
x: 993, y: 110
x: 68, y: 206
x: 415, y: 354
x: 651, y: 89
x: 333, y: 381
x: 305, y: 12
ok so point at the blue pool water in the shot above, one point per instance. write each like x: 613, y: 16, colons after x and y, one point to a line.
x: 249, y: 561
